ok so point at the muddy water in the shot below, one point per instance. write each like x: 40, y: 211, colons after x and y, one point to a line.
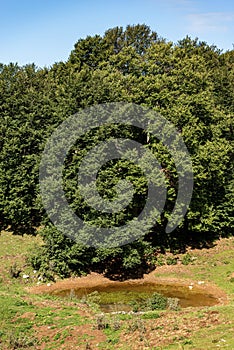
x: 117, y: 296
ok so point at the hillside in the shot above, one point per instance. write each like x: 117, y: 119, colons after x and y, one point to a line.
x: 38, y: 321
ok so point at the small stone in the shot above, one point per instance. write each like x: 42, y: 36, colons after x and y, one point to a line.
x: 25, y: 276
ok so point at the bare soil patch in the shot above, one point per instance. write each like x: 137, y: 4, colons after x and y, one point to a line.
x: 76, y: 337
x: 95, y: 280
x: 169, y: 328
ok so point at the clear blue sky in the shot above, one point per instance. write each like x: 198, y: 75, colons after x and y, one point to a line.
x: 45, y: 31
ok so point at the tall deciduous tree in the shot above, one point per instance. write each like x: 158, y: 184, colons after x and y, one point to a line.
x: 190, y: 83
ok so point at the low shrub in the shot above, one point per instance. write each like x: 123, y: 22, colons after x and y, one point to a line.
x: 171, y: 261
x: 157, y: 302
x: 102, y: 322
x: 150, y: 315
x: 186, y: 259
x: 21, y: 342
x: 14, y: 271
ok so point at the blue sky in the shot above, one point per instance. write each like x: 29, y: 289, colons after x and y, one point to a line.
x: 45, y: 31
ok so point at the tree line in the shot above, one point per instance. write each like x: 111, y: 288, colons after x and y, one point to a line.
x: 190, y: 83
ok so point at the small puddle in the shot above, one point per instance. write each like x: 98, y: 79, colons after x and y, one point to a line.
x: 118, y: 296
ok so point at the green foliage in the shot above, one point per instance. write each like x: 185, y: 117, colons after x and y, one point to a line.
x: 186, y: 259
x: 157, y: 302
x: 151, y: 315
x: 93, y: 297
x: 22, y: 342
x: 59, y: 255
x: 171, y: 260
x: 64, y: 316
x: 190, y: 83
x: 14, y: 271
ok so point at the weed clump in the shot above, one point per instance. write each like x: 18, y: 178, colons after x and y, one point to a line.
x: 102, y: 322
x: 14, y: 271
x: 157, y: 302
x: 186, y: 259
x: 173, y: 304
x: 17, y: 342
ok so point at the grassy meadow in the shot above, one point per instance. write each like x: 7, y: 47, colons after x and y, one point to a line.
x: 29, y: 321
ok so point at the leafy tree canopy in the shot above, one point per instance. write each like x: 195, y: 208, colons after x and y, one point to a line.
x: 190, y: 83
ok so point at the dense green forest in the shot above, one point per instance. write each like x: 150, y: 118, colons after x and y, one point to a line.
x: 189, y: 83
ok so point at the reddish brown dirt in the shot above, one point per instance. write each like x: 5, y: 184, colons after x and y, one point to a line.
x: 137, y: 334
x: 95, y: 279
x: 77, y: 337
x: 169, y: 328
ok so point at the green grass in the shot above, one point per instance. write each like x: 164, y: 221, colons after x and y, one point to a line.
x: 22, y: 314
x: 215, y: 269
x: 212, y: 337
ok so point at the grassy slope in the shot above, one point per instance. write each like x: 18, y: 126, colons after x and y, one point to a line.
x: 216, y: 266
x: 39, y: 322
